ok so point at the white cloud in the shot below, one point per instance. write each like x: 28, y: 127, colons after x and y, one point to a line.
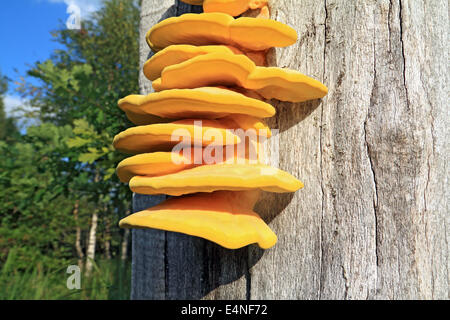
x: 86, y: 6
x: 20, y: 109
x: 12, y: 103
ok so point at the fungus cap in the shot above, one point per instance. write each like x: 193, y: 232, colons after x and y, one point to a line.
x: 194, y: 2
x: 231, y: 7
x: 195, y: 132
x: 206, y: 102
x: 162, y: 163
x: 178, y: 53
x: 164, y: 136
x: 223, y: 217
x: 238, y: 70
x: 152, y: 164
x: 209, y: 178
x: 220, y: 28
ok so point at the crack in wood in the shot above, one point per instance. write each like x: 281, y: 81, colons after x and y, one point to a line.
x: 248, y: 280
x: 389, y: 25
x: 400, y: 16
x: 375, y: 202
x: 321, y: 157
x: 344, y: 275
x: 369, y: 153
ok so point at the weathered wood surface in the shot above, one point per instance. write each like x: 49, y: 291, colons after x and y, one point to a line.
x: 373, y: 219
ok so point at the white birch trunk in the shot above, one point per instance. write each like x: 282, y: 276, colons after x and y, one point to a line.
x: 78, y: 248
x: 90, y: 252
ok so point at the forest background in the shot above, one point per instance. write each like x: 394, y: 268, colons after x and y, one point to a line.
x: 60, y: 200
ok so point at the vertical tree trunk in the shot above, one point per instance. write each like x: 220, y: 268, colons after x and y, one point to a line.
x: 78, y: 235
x: 124, y: 247
x: 372, y: 221
x: 90, y: 252
x: 92, y: 239
x: 107, y: 234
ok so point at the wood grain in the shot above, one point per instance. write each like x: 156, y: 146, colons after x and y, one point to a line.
x: 372, y: 221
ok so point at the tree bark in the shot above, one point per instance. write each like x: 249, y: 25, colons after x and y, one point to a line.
x: 90, y: 252
x: 92, y: 239
x: 78, y: 235
x: 107, y: 233
x: 124, y: 246
x: 372, y: 221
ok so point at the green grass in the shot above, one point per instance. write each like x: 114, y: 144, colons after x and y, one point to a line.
x: 110, y: 279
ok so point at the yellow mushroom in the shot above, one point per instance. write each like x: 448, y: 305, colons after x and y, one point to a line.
x: 238, y: 70
x: 205, y: 103
x: 194, y: 2
x: 220, y: 28
x: 161, y: 163
x: 175, y: 54
x: 153, y: 164
x: 244, y: 122
x: 231, y: 7
x: 210, y: 66
x: 223, y: 217
x: 208, y: 178
x: 160, y: 136
x: 195, y: 132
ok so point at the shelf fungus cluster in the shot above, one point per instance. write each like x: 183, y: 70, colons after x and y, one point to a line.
x: 199, y: 137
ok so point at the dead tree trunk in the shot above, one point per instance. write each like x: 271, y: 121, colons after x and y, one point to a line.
x: 372, y: 221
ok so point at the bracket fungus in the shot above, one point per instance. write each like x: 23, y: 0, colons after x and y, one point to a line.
x: 223, y: 217
x: 208, y: 178
x: 219, y: 28
x: 231, y: 7
x: 238, y: 70
x: 197, y: 132
x: 153, y: 164
x: 179, y: 53
x: 161, y: 163
x: 204, y: 103
x: 209, y: 70
x: 159, y: 136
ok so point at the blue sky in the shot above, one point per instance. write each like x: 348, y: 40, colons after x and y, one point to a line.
x: 25, y: 27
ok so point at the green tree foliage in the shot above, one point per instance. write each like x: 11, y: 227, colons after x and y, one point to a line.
x: 8, y: 129
x: 98, y: 66
x: 34, y: 208
x: 68, y: 159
